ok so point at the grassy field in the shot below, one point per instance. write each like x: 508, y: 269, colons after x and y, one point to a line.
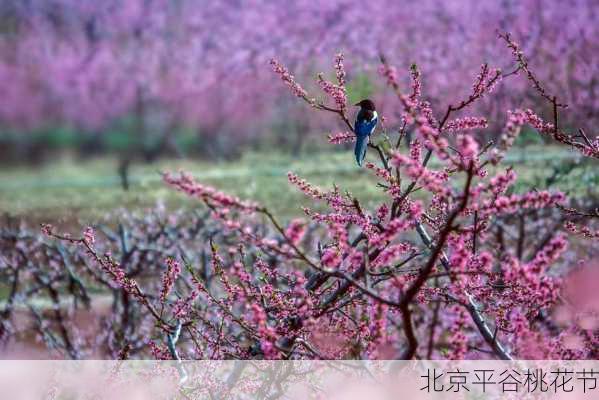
x: 84, y: 191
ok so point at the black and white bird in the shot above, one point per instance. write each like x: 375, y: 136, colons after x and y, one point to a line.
x: 365, y: 124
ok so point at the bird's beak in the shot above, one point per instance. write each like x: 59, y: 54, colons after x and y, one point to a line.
x: 357, y: 104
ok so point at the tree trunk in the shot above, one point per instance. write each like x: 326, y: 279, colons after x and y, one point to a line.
x: 123, y: 170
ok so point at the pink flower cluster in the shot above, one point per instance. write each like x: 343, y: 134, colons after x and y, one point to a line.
x: 485, y: 81
x: 501, y: 182
x: 548, y: 255
x: 336, y: 92
x: 416, y: 83
x: 582, y: 230
x: 392, y: 229
x: 389, y: 72
x: 340, y: 70
x: 295, y: 231
x: 537, y: 122
x: 331, y: 258
x: 531, y: 288
x: 169, y: 277
x: 307, y: 188
x: 380, y: 172
x: 515, y: 203
x: 511, y: 131
x: 434, y: 181
x: 466, y: 123
x: 342, y: 138
x: 289, y: 79
x: 89, y: 236
x: 468, y: 148
x: 458, y: 342
x: 441, y: 263
x: 391, y: 253
x: 333, y: 198
x: 118, y: 275
x: 185, y: 183
x: 183, y: 307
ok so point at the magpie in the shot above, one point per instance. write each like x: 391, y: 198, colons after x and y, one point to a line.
x: 365, y: 124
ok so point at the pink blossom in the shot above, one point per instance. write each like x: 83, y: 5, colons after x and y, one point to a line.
x: 305, y: 187
x: 434, y: 181
x: 331, y: 258
x: 457, y: 340
x: 380, y: 172
x: 185, y: 183
x: 468, y: 147
x: 47, y: 229
x: 583, y: 230
x: 548, y: 254
x: 511, y: 131
x: 336, y: 92
x: 501, y: 182
x: 391, y: 254
x: 295, y: 231
x: 340, y: 69
x: 390, y: 74
x: 183, y: 307
x: 514, y: 203
x: 415, y: 150
x: 342, y: 138
x: 467, y: 123
x: 416, y: 84
x: 89, y: 236
x: 169, y: 277
x: 289, y: 79
x: 382, y: 212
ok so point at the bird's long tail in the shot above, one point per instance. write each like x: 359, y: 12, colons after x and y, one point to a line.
x: 360, y: 149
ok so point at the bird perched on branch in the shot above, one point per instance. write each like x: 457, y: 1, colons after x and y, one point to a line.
x: 363, y: 127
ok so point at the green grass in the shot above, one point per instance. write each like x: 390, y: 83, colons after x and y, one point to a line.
x: 67, y: 190
x: 87, y: 191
